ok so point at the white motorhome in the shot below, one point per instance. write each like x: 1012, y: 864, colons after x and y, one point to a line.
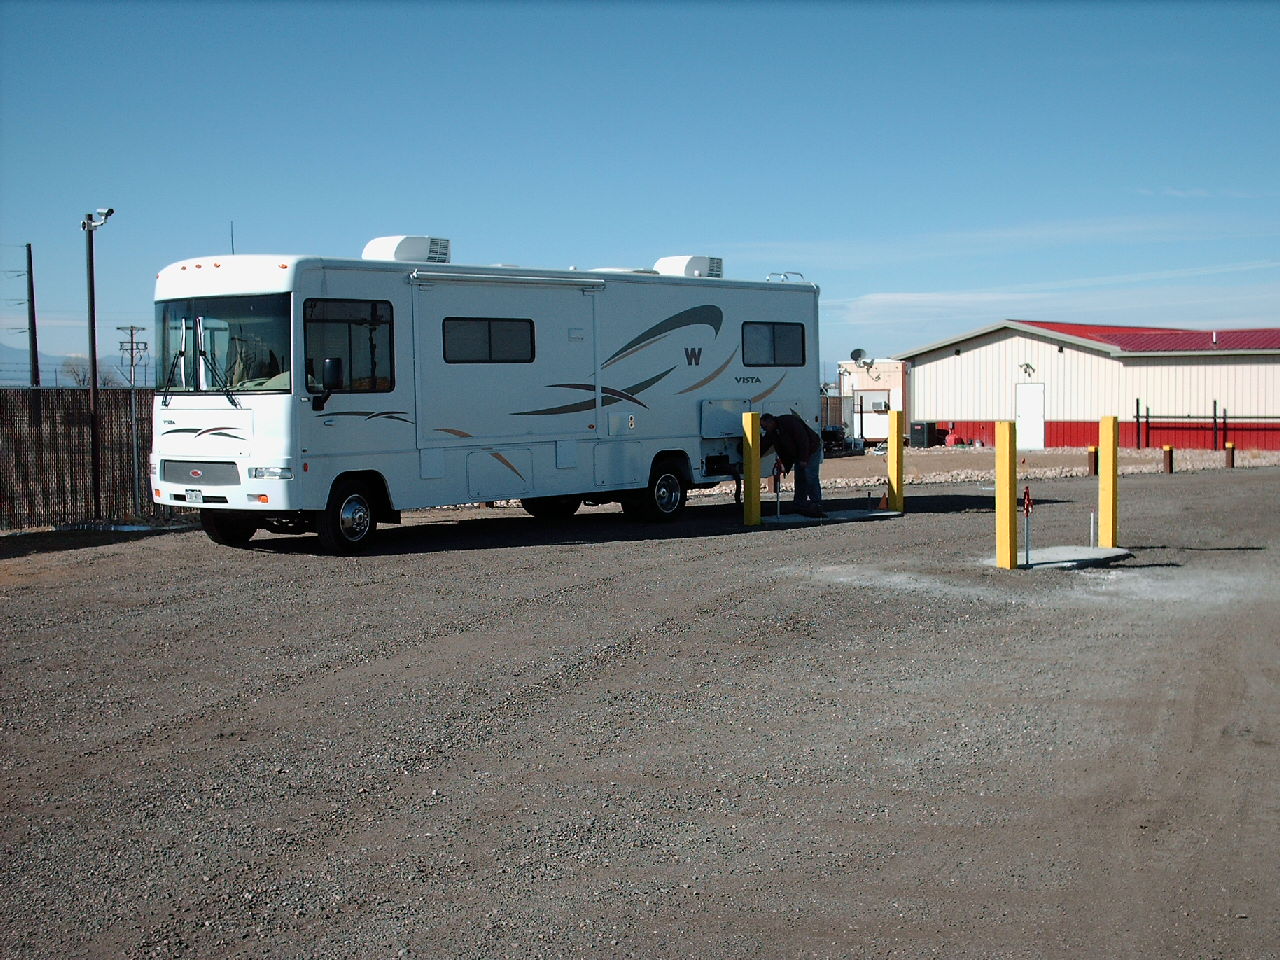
x: 303, y: 394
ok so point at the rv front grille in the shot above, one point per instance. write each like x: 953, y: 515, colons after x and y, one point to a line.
x: 192, y: 473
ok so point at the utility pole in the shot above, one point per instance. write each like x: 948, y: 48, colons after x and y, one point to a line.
x: 31, y: 321
x: 136, y: 348
x: 90, y: 226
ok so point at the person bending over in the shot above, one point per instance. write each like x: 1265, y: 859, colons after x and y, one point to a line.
x: 798, y: 446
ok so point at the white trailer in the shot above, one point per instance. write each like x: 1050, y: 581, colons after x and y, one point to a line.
x: 301, y: 394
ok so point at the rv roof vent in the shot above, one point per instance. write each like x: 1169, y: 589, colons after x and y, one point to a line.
x: 410, y: 249
x: 690, y: 267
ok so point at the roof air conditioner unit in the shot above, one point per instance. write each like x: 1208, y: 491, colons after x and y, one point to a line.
x: 408, y: 249
x: 690, y: 267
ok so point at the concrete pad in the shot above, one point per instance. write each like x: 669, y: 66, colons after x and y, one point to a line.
x: 795, y: 519
x: 1067, y: 558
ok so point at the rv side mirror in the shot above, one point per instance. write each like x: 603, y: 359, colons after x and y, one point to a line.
x: 330, y: 380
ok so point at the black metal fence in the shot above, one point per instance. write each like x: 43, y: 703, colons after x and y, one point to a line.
x: 46, y: 472
x: 1194, y: 431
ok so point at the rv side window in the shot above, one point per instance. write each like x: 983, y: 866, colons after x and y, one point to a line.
x: 487, y: 340
x: 773, y: 344
x: 359, y: 333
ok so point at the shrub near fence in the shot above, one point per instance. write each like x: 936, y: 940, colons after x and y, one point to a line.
x: 45, y: 471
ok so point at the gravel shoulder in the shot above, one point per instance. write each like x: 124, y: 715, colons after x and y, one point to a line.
x: 496, y: 738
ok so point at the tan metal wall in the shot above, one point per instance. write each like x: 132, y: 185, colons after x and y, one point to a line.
x: 1080, y: 384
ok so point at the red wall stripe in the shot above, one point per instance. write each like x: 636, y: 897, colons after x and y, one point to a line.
x: 1182, y: 434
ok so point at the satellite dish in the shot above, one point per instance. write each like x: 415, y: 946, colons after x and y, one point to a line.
x: 857, y: 355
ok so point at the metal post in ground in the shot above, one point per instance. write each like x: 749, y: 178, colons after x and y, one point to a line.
x: 90, y: 225
x: 893, y: 460
x: 1093, y: 461
x: 751, y: 469
x: 1231, y: 454
x: 1006, y: 495
x: 1168, y: 458
x: 1108, y: 477
x: 1026, y: 526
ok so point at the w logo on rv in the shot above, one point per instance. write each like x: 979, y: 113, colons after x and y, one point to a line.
x: 693, y: 356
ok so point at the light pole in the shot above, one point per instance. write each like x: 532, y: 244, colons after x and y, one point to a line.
x: 89, y: 225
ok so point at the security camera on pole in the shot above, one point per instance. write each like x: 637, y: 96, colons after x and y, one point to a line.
x: 89, y: 225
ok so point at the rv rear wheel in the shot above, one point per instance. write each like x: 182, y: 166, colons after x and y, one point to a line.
x: 551, y: 508
x: 228, y: 527
x: 663, y: 499
x: 347, y: 524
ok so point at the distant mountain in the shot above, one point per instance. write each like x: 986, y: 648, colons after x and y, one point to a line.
x: 15, y: 368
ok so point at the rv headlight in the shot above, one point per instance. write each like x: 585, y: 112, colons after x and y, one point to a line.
x: 270, y: 473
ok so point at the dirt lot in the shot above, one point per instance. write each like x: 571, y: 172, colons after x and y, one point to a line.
x: 494, y: 738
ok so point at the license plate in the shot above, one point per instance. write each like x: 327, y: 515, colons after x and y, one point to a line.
x: 195, y: 496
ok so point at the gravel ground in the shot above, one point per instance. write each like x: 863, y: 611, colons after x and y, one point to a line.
x: 496, y: 738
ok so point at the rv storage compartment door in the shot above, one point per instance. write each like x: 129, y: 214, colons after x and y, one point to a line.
x: 723, y: 418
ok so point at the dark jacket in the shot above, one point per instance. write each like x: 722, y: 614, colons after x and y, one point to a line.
x: 794, y: 440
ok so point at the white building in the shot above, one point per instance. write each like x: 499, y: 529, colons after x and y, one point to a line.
x: 869, y: 389
x: 1188, y: 388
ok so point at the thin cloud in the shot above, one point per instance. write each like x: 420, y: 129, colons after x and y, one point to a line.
x: 1202, y: 193
x: 844, y: 255
x: 891, y: 323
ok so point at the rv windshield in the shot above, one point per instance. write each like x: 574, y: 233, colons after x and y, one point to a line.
x: 223, y: 343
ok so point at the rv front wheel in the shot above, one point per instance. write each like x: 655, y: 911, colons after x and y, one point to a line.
x: 347, y: 525
x: 227, y: 527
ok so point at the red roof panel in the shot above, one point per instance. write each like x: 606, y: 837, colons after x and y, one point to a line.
x: 1167, y: 339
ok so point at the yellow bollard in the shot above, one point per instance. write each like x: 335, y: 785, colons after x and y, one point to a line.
x: 893, y: 461
x: 1108, y: 482
x: 751, y: 469
x: 1006, y: 495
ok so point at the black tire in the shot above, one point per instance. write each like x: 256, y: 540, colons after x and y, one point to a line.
x: 228, y: 527
x: 664, y: 498
x: 347, y: 524
x: 551, y: 508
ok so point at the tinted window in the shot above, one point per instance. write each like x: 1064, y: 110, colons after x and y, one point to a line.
x: 487, y: 340
x: 773, y: 344
x: 358, y: 332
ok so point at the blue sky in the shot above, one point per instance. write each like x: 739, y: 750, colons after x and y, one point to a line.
x: 934, y: 167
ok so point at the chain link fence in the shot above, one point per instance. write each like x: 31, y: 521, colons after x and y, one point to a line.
x: 46, y: 476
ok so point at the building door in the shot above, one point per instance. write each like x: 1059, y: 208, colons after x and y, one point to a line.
x: 1029, y: 414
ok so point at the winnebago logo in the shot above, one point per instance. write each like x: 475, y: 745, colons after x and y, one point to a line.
x: 197, y: 433
x: 706, y: 315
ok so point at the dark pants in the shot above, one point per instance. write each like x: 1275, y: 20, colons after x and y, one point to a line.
x: 809, y: 484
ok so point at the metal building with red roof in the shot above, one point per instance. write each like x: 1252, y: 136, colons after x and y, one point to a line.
x: 1189, y: 388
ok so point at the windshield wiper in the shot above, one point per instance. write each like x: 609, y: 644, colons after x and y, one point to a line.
x: 219, y: 381
x: 179, y: 357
